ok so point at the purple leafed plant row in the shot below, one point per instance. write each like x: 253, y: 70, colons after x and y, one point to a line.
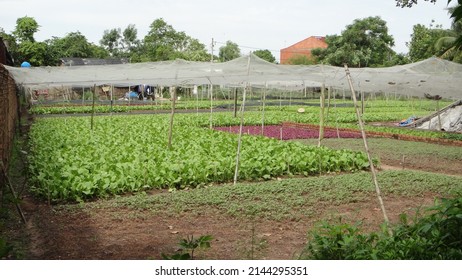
x: 287, y: 133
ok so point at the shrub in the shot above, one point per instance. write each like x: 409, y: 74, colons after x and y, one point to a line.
x: 438, y: 235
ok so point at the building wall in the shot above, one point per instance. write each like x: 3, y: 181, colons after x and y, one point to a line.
x: 302, y: 48
x: 8, y: 115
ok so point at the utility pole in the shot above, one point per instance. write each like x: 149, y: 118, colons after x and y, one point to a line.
x: 211, y: 46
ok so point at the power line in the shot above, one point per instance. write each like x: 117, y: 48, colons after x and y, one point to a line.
x: 295, y: 51
x: 247, y: 47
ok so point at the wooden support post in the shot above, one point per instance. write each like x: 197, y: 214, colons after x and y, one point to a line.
x: 371, y: 163
x: 10, y: 186
x: 235, y: 102
x: 263, y: 111
x: 112, y: 97
x: 239, y: 142
x: 170, y: 131
x: 321, y: 116
x: 438, y: 112
x: 93, y: 107
x: 211, y: 105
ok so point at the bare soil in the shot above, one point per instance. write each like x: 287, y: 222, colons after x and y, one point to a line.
x: 123, y: 234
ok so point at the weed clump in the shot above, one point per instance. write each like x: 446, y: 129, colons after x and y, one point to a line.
x: 435, y: 236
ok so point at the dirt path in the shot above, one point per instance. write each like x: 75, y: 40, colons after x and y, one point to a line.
x: 123, y: 234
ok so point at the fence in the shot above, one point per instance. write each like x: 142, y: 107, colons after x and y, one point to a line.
x: 8, y: 114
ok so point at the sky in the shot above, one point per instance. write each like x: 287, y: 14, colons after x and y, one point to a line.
x: 252, y: 24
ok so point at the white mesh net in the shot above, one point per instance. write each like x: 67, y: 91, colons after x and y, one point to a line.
x: 432, y: 76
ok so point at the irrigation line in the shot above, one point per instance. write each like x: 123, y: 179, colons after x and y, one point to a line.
x: 373, y: 171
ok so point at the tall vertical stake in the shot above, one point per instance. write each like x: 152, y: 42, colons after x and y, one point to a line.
x: 211, y: 105
x: 321, y: 115
x: 239, y: 142
x: 93, y: 106
x: 363, y: 133
x: 263, y: 111
x: 170, y: 131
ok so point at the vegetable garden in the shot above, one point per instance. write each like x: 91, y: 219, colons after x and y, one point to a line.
x: 140, y: 171
x: 129, y: 154
x: 69, y: 161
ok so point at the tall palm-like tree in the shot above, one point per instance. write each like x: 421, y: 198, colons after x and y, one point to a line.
x: 452, y: 45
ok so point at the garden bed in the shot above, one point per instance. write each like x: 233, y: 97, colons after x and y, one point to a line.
x: 289, y: 132
x: 397, y: 136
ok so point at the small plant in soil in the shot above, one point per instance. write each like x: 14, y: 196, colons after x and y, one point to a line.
x: 189, y: 246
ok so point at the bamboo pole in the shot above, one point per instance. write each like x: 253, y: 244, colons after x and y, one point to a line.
x: 363, y: 134
x: 439, y: 117
x: 170, y: 131
x: 196, y: 90
x: 336, y: 117
x: 239, y: 142
x: 211, y: 105
x: 321, y: 116
x: 235, y: 103
x: 10, y: 186
x: 329, y: 90
x: 263, y: 111
x: 93, y: 107
x: 362, y: 103
x: 112, y: 97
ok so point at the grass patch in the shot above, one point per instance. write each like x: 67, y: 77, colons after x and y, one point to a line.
x: 391, y: 149
x: 288, y: 199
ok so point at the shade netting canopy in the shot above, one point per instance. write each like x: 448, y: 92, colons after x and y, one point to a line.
x: 432, y: 76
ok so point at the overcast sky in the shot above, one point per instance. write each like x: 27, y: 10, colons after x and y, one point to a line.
x: 252, y: 24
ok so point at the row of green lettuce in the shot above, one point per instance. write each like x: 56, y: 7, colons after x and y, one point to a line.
x: 70, y: 162
x: 342, y: 116
x: 373, y: 106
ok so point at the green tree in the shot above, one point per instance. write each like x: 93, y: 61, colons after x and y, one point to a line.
x: 229, y: 52
x: 423, y: 41
x: 195, y: 51
x: 22, y: 44
x: 266, y: 55
x: 447, y: 43
x: 363, y: 43
x: 111, y: 41
x: 303, y: 60
x: 33, y: 52
x: 25, y: 29
x: 130, y: 40
x: 456, y: 15
x: 410, y: 3
x: 121, y: 43
x: 74, y: 44
x: 163, y: 42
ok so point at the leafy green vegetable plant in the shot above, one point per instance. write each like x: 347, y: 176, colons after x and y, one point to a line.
x: 435, y: 236
x: 190, y: 245
x: 122, y: 154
